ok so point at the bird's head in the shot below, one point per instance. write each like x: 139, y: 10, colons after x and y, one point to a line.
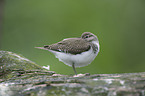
x: 88, y: 36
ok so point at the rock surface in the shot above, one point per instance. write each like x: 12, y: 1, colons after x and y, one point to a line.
x: 22, y: 77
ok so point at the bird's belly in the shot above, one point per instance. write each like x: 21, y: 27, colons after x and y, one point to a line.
x: 79, y: 60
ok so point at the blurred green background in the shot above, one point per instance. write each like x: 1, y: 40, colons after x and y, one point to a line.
x: 119, y: 25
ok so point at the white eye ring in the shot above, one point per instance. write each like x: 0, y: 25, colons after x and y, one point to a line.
x: 87, y: 36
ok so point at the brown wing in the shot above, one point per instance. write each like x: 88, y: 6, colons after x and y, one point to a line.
x: 71, y: 45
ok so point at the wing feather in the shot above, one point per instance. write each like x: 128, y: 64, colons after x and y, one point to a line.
x: 70, y: 45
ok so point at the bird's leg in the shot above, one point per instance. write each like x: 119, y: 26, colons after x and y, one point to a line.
x: 73, y: 65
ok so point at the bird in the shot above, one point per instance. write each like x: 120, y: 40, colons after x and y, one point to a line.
x: 75, y: 52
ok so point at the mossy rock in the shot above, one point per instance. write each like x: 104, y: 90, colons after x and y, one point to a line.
x: 128, y: 84
x: 22, y: 77
x: 12, y: 64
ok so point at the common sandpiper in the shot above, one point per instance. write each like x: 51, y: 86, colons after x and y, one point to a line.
x: 75, y: 52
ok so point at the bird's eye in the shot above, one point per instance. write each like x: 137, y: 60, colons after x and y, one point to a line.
x: 87, y: 36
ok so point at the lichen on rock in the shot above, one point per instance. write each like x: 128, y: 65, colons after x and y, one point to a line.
x: 22, y: 77
x: 12, y: 64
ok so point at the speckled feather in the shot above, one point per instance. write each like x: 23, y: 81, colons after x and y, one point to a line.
x: 70, y: 45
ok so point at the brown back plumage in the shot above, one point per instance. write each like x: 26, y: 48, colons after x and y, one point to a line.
x: 70, y: 45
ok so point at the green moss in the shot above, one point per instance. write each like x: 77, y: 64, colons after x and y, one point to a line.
x: 12, y: 62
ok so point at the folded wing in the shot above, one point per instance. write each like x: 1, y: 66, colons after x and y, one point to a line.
x: 70, y: 45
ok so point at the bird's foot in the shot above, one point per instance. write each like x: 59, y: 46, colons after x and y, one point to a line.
x: 81, y: 75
